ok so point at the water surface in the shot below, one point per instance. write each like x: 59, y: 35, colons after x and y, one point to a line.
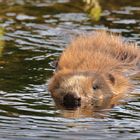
x: 33, y: 34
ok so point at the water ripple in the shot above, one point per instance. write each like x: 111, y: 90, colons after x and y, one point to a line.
x: 35, y: 33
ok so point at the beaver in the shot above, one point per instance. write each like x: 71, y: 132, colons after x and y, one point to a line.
x: 92, y: 68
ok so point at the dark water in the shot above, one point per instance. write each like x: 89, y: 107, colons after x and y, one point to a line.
x: 33, y: 33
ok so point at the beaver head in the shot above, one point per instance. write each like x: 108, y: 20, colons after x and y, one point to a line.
x: 72, y: 88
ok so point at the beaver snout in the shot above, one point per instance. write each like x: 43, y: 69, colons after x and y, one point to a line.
x: 71, y: 100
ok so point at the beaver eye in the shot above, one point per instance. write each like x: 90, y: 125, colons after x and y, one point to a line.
x: 95, y: 87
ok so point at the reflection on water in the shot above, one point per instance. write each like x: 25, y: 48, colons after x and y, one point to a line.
x: 1, y: 40
x: 93, y: 8
x: 35, y: 33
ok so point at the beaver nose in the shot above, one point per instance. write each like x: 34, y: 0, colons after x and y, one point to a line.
x: 71, y: 100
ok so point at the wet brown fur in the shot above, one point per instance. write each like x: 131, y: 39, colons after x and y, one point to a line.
x: 98, y: 58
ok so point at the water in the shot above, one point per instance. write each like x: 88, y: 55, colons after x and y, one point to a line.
x: 33, y: 34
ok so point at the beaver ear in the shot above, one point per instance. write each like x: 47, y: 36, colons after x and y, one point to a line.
x: 111, y: 78
x: 54, y: 63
